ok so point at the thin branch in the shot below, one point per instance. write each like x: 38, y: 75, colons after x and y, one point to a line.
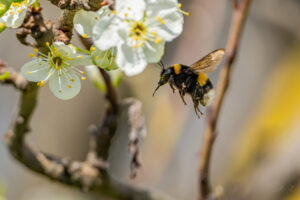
x: 238, y: 21
x: 89, y: 5
x: 64, y: 27
x: 10, y: 76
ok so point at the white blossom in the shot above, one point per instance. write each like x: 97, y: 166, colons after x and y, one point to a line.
x: 138, y: 29
x: 59, y: 68
x: 15, y: 15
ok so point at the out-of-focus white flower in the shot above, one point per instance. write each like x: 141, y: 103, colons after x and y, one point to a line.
x: 84, y: 21
x: 15, y: 15
x: 139, y: 30
x: 59, y: 68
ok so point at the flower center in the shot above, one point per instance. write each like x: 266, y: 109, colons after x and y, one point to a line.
x: 57, y: 61
x: 137, y: 29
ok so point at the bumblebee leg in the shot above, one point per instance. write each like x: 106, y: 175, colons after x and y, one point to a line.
x: 181, y: 93
x: 172, y: 87
x: 196, y: 108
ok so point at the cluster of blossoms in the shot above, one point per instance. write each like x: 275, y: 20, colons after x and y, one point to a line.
x: 126, y: 39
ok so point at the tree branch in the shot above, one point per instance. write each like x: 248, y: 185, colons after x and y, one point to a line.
x: 89, y: 5
x: 238, y: 21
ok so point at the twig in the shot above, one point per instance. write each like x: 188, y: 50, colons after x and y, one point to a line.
x: 10, y: 76
x: 238, y: 21
x: 64, y: 27
x: 89, y: 5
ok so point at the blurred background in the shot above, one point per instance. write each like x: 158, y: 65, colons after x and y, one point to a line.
x: 256, y: 154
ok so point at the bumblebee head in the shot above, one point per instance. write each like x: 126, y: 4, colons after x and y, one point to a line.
x: 164, y: 78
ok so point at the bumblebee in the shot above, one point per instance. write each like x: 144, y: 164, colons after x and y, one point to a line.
x: 192, y: 79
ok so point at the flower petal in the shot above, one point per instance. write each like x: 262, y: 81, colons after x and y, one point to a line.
x: 80, y: 60
x: 167, y: 11
x: 14, y: 17
x: 65, y: 50
x: 105, y: 33
x: 153, y: 51
x: 130, y: 60
x: 35, y: 70
x: 84, y: 22
x: 62, y: 86
x: 130, y: 9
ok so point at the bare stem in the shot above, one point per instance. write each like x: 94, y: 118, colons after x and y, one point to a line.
x: 238, y: 21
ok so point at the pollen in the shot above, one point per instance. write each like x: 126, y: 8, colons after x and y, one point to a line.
x: 135, y: 46
x: 47, y: 44
x: 36, y: 50
x: 84, y: 35
x: 72, y: 79
x: 158, y: 40
x: 28, y: 72
x: 160, y: 20
x: 69, y: 86
x: 92, y: 48
x: 42, y: 83
x: 126, y: 14
x: 79, y: 57
x: 83, y: 78
x: 114, y: 12
x: 154, y: 34
x: 82, y: 72
x: 31, y: 55
x: 19, y: 11
x: 179, y: 5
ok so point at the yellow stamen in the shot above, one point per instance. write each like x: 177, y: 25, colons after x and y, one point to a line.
x: 47, y: 44
x: 92, y: 48
x: 84, y: 35
x: 179, y: 5
x: 114, y: 12
x: 79, y: 57
x: 154, y: 34
x: 158, y: 40
x: 42, y: 83
x: 69, y: 86
x: 126, y: 14
x: 83, y: 78
x: 19, y: 11
x: 69, y: 58
x: 31, y: 55
x: 82, y: 72
x: 28, y: 72
x: 160, y: 20
x: 72, y: 79
x: 36, y: 50
x: 135, y: 46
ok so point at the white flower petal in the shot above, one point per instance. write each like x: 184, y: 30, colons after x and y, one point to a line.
x: 130, y: 60
x: 84, y: 22
x: 14, y: 17
x: 130, y: 9
x: 65, y: 50
x: 80, y: 60
x: 167, y: 10
x: 62, y: 87
x: 153, y: 51
x: 105, y: 33
x: 35, y: 70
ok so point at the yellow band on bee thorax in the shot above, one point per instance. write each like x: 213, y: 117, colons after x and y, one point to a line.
x: 177, y: 68
x: 202, y: 78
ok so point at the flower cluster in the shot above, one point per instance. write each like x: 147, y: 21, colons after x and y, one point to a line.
x: 127, y: 38
x: 137, y: 30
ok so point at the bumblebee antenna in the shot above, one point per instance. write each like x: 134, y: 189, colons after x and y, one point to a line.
x: 156, y: 89
x: 161, y: 64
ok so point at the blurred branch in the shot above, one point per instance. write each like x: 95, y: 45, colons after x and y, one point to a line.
x: 89, y: 5
x: 9, y: 76
x: 238, y: 21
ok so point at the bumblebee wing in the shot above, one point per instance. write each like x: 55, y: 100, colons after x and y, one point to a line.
x: 209, y: 63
